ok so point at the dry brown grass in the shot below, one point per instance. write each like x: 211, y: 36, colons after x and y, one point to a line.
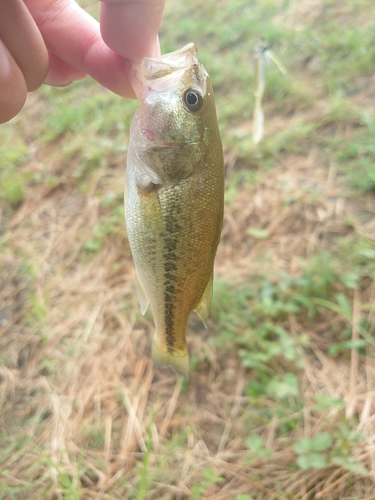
x: 80, y: 395
x: 83, y: 412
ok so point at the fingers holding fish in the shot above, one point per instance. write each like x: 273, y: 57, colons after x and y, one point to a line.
x: 131, y: 28
x: 73, y: 36
x: 21, y: 36
x: 61, y: 74
x: 23, y: 57
x: 13, y: 88
x: 57, y: 42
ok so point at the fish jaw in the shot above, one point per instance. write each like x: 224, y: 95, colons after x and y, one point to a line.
x: 165, y: 72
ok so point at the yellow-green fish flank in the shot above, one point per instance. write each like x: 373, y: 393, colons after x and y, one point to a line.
x: 174, y: 196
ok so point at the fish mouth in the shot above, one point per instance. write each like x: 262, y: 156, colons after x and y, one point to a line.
x: 153, y: 68
x: 163, y: 72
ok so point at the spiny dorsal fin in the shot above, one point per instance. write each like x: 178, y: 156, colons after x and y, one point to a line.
x: 142, y: 297
x: 203, y: 307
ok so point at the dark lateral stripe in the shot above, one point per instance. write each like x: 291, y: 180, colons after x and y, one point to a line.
x: 170, y: 259
x: 169, y: 307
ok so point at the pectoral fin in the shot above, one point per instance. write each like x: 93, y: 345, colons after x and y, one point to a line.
x: 203, y: 307
x: 142, y: 297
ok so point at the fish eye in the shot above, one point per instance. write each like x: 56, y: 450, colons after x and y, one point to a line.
x: 193, y: 99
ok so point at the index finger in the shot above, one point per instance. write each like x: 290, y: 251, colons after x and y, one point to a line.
x: 130, y: 27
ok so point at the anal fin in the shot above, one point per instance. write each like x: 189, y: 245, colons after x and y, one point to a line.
x: 203, y: 307
x: 142, y: 297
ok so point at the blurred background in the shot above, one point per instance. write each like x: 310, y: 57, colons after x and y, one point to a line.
x: 280, y: 403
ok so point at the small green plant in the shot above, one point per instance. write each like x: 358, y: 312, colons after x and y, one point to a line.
x: 144, y: 485
x: 144, y: 480
x: 210, y: 478
x: 257, y: 447
x: 311, y: 452
x: 330, y: 449
x: 253, y: 317
x: 323, y: 402
x: 71, y: 491
x: 13, y: 179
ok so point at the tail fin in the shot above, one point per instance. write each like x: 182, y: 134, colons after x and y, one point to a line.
x: 179, y: 361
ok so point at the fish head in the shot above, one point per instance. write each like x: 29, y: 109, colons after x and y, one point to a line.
x: 171, y: 127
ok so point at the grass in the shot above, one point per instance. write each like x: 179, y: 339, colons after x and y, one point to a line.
x: 280, y: 400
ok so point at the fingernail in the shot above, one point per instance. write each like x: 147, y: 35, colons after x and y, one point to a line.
x: 4, y: 62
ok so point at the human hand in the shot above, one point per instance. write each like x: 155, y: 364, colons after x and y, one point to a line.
x: 57, y: 42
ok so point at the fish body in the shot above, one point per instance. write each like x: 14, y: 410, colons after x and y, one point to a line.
x: 174, y: 196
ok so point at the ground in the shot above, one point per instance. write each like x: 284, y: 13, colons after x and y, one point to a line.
x: 280, y: 401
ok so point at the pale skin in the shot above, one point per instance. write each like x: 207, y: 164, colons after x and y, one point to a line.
x: 56, y: 42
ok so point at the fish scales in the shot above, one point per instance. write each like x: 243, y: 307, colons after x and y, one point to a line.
x: 174, y: 197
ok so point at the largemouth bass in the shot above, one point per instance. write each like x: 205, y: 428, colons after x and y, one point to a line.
x: 174, y: 196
